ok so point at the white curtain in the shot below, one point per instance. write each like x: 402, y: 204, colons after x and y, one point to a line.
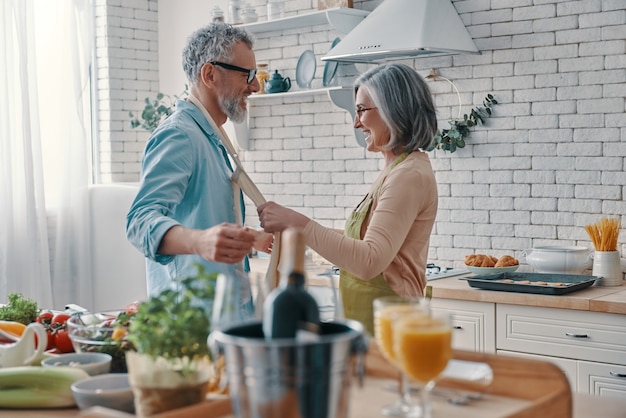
x: 45, y: 149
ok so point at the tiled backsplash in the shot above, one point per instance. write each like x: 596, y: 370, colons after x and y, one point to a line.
x: 549, y: 161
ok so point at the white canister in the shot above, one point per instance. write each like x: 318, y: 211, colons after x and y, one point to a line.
x: 607, y: 266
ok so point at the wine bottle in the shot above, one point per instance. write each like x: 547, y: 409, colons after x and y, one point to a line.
x: 289, y: 310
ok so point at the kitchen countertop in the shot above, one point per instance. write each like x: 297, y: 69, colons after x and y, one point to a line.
x: 595, y: 298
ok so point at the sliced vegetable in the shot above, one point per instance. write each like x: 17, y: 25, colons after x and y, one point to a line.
x: 12, y: 327
x: 38, y: 387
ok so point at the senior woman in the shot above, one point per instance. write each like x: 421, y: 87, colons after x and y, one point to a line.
x: 384, y: 248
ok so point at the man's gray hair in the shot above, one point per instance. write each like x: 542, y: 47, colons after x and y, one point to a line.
x: 213, y: 42
x: 405, y: 104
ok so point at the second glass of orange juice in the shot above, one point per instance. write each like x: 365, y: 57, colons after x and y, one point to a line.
x: 423, y: 346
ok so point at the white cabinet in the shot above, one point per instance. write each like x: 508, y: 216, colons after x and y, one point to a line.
x: 473, y: 323
x: 602, y: 379
x: 590, y: 347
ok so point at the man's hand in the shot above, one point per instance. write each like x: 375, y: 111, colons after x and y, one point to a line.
x: 223, y: 243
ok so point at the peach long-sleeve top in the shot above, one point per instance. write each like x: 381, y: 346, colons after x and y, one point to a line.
x: 396, y: 233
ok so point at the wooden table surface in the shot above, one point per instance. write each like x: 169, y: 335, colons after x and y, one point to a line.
x: 521, y: 388
x: 366, y: 402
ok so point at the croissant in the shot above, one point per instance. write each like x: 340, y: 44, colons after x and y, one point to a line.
x: 480, y: 260
x: 506, y: 261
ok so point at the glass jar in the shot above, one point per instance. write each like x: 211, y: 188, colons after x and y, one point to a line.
x: 262, y: 75
x: 217, y: 14
x: 248, y: 14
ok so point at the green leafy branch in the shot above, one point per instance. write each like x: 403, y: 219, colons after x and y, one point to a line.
x: 454, y: 137
x: 156, y: 110
x: 175, y: 325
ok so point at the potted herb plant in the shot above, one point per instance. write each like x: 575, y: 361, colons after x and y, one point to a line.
x: 171, y: 366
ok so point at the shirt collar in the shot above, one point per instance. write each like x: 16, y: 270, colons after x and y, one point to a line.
x: 196, y: 102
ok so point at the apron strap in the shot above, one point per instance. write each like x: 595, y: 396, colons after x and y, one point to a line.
x: 243, y: 181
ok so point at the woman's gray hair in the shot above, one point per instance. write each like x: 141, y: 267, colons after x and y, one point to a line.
x: 213, y: 42
x: 404, y: 102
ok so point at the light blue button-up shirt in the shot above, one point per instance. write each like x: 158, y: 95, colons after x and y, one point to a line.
x: 185, y: 180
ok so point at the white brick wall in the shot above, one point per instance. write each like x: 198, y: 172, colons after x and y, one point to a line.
x: 126, y: 40
x: 549, y: 161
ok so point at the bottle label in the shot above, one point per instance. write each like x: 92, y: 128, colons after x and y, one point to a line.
x: 308, y: 332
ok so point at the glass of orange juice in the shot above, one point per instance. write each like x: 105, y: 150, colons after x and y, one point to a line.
x: 387, y: 310
x: 423, y: 347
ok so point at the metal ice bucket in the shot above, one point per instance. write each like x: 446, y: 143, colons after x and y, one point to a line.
x: 285, y: 378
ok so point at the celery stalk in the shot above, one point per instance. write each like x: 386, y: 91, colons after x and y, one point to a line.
x: 38, y: 387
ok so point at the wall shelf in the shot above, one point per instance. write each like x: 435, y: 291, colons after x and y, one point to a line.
x: 340, y: 96
x: 343, y: 19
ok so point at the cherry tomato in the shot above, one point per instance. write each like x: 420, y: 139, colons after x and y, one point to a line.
x: 62, y: 341
x: 45, y: 319
x: 60, y: 318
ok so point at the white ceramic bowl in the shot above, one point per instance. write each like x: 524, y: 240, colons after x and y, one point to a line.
x: 559, y: 259
x: 110, y: 390
x: 491, y: 270
x: 92, y: 363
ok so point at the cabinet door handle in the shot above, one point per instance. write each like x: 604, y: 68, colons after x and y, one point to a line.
x: 457, y: 327
x: 616, y: 374
x: 574, y: 335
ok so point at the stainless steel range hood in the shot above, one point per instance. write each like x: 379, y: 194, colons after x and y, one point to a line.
x: 399, y: 29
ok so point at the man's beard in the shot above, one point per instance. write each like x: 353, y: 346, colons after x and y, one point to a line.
x: 230, y: 106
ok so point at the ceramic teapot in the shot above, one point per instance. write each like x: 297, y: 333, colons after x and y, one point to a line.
x: 277, y: 84
x: 23, y: 351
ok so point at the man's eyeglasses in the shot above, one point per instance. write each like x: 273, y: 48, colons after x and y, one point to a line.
x: 251, y: 73
x: 360, y: 111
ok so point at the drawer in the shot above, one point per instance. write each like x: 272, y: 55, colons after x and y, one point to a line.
x: 602, y: 379
x: 564, y: 333
x: 473, y: 322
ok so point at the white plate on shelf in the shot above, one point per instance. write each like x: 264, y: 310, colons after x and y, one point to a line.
x: 331, y: 67
x: 305, y: 69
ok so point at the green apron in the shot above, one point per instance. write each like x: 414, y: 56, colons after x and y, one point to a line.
x: 358, y: 295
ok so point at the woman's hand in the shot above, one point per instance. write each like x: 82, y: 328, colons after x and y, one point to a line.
x: 277, y: 218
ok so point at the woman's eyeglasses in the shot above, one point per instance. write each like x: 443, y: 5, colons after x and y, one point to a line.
x: 360, y: 111
x: 251, y: 73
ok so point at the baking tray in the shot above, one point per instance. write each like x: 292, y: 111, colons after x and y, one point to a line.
x: 567, y: 283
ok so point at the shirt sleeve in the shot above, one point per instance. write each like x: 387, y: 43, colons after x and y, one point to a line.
x: 400, y: 199
x: 165, y: 175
